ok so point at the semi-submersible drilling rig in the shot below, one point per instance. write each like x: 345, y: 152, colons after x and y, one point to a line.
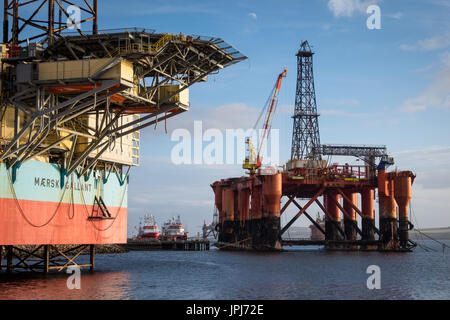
x: 249, y: 206
x: 72, y: 104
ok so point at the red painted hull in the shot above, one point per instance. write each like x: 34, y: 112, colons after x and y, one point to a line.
x: 40, y: 222
x: 155, y: 236
x: 175, y: 238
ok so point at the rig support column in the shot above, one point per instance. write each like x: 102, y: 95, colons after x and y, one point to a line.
x: 402, y: 195
x: 237, y: 217
x: 368, y: 214
x: 46, y: 258
x: 228, y: 214
x: 272, y: 186
x: 1, y: 257
x: 244, y: 214
x: 333, y: 222
x: 387, y: 212
x: 9, y: 259
x: 256, y: 224
x: 351, y: 222
x: 92, y: 257
x: 217, y: 188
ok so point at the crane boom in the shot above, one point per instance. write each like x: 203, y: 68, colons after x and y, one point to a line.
x: 251, y: 162
x: 270, y: 111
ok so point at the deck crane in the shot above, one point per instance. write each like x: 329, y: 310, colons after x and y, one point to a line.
x: 253, y: 159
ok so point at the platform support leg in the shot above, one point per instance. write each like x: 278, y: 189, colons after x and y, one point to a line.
x: 1, y: 257
x: 46, y: 259
x: 92, y: 257
x: 9, y: 258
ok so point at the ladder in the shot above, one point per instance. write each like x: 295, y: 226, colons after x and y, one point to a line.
x: 99, y: 204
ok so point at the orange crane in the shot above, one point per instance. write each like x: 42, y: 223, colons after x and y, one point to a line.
x: 253, y: 160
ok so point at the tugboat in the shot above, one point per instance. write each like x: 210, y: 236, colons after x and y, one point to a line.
x: 150, y: 230
x: 173, y: 230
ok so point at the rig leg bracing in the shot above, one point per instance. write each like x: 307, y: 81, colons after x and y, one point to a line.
x: 46, y: 258
x: 249, y: 209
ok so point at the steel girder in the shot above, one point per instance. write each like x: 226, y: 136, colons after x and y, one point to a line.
x: 181, y: 60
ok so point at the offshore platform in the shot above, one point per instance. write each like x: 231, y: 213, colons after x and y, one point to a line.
x: 72, y: 104
x: 250, y: 206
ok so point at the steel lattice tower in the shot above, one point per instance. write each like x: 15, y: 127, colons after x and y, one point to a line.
x: 305, y: 135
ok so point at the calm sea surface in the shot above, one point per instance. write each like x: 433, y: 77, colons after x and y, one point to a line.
x: 300, y: 273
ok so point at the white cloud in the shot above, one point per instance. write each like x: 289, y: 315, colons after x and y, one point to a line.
x: 407, y: 47
x: 436, y: 42
x: 346, y: 8
x: 231, y: 116
x: 424, y: 69
x: 413, y: 105
x: 431, y: 165
x: 445, y: 58
x: 436, y: 95
x: 443, y: 3
x: 253, y: 15
x: 397, y: 15
x: 228, y: 116
x: 430, y: 189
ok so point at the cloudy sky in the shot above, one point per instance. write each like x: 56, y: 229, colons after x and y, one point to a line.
x: 389, y: 86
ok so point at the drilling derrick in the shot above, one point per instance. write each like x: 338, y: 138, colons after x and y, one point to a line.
x: 305, y: 137
x: 72, y: 106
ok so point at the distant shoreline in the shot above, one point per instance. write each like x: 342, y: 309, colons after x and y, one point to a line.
x: 436, y: 233
x: 442, y: 233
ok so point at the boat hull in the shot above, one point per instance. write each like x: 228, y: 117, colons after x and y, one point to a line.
x: 150, y: 235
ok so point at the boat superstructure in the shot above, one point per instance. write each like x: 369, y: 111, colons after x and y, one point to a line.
x: 149, y: 229
x: 173, y: 230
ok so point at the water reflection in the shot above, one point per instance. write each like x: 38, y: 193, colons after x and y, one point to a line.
x: 98, y: 285
x: 300, y: 273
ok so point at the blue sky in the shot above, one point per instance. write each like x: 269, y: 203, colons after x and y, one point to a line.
x: 389, y: 86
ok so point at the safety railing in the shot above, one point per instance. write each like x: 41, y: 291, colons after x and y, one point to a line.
x: 332, y: 172
x: 145, y: 48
